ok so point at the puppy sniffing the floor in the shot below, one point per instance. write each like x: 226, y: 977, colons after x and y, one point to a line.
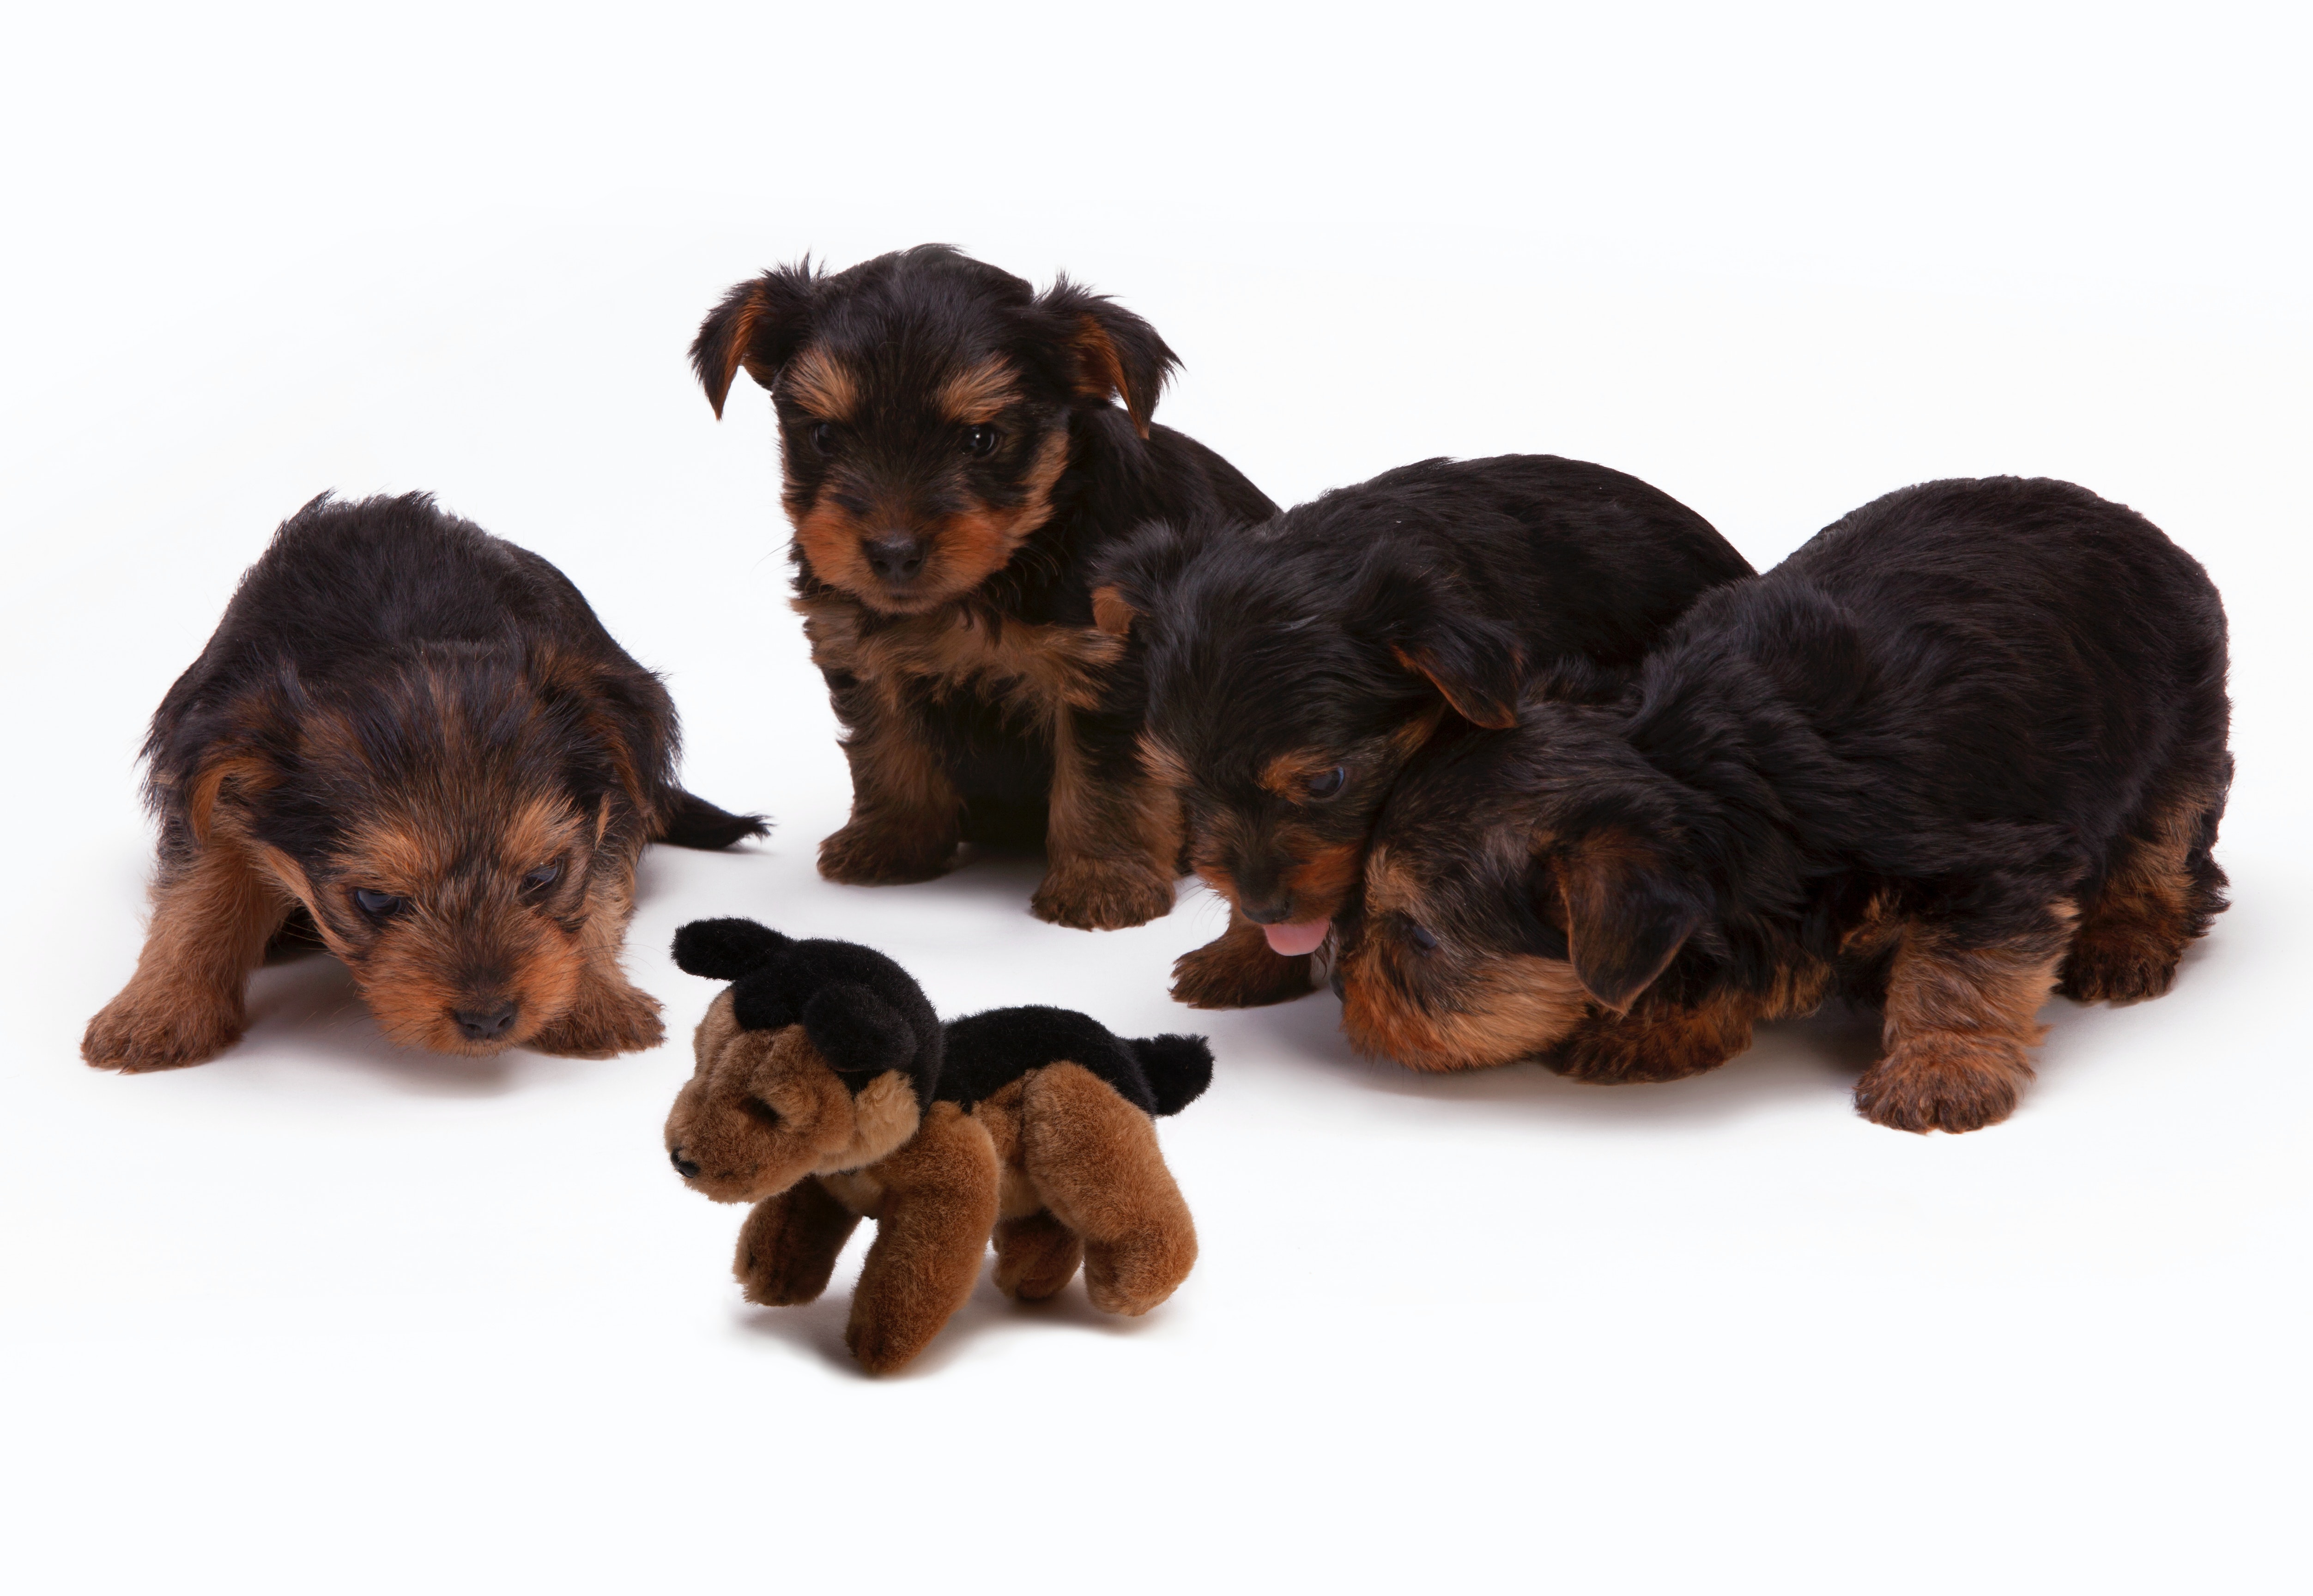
x: 1965, y: 748
x: 953, y: 459
x: 1293, y: 670
x: 418, y: 742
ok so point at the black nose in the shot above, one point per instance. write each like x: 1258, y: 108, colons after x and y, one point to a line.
x: 896, y: 557
x: 1267, y: 911
x: 488, y: 1022
x: 682, y: 1166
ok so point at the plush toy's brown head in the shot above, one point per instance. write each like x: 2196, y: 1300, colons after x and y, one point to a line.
x: 821, y: 1058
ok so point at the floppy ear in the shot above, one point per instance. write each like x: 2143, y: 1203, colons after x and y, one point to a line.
x: 856, y: 1031
x: 1117, y: 353
x: 758, y: 325
x: 725, y: 950
x: 1627, y: 915
x: 1475, y: 664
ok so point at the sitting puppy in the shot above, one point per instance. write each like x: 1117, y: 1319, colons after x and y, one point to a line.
x: 1965, y: 748
x: 416, y: 744
x: 953, y: 461
x: 827, y: 1090
x: 1292, y: 672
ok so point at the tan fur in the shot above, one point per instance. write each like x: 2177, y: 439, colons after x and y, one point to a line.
x: 1111, y: 844
x: 1163, y: 763
x: 884, y: 1115
x: 1101, y: 374
x: 1238, y: 970
x: 1514, y: 1007
x: 1094, y: 1158
x: 1110, y: 612
x: 789, y: 1244
x: 820, y: 386
x: 937, y: 1208
x: 979, y: 393
x: 1494, y: 717
x: 2133, y: 933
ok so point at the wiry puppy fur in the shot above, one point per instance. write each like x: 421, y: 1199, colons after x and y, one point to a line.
x: 1294, y: 671
x: 827, y: 1091
x: 954, y: 459
x: 1965, y: 748
x: 418, y: 743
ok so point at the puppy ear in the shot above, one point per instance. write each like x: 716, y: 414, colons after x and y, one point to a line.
x: 1475, y: 664
x: 1116, y: 355
x: 725, y: 950
x: 856, y: 1031
x: 1127, y: 580
x: 1627, y: 915
x: 759, y: 325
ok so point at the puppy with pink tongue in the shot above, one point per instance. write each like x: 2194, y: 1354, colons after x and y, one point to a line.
x: 1294, y: 671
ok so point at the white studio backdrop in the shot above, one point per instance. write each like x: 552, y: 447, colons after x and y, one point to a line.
x: 323, y: 1315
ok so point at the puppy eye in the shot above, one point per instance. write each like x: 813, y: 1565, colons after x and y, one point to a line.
x: 543, y: 877
x: 1328, y: 783
x: 1423, y: 937
x: 822, y: 437
x: 980, y: 442
x: 377, y: 905
x: 759, y: 1111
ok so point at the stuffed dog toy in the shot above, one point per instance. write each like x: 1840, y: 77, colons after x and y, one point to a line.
x: 828, y: 1092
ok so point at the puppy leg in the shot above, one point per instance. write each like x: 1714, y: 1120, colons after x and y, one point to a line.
x: 1961, y: 1017
x: 608, y: 1014
x: 1095, y: 1157
x: 1657, y: 1040
x: 1035, y: 1255
x: 939, y: 1205
x: 907, y: 816
x: 212, y: 914
x: 2159, y: 894
x: 1113, y: 835
x: 1237, y: 970
x: 789, y: 1244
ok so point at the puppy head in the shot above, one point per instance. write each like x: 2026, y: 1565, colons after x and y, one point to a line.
x: 925, y: 403
x: 820, y: 1058
x: 455, y: 828
x: 1291, y: 677
x: 1519, y: 880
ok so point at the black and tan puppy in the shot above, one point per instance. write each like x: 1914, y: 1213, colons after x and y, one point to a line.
x: 954, y: 459
x: 827, y: 1091
x: 1293, y: 672
x: 418, y: 742
x: 1964, y: 748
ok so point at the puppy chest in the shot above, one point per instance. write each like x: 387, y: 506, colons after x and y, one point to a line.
x: 1027, y: 672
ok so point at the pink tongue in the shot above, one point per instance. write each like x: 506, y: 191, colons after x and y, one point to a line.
x: 1295, y: 940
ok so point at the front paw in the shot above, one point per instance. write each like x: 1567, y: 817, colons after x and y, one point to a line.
x: 1236, y: 971
x: 865, y: 856
x: 1607, y: 1051
x: 139, y: 1031
x: 1103, y: 895
x: 604, y: 1021
x: 1942, y: 1083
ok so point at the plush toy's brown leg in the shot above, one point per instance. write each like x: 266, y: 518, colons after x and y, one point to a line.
x: 1095, y: 1157
x: 1113, y: 834
x: 609, y: 1014
x: 1959, y: 1021
x: 212, y: 915
x: 789, y: 1244
x: 1237, y: 970
x: 939, y: 1205
x: 1035, y: 1255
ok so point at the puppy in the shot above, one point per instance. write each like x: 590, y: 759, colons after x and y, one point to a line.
x: 827, y: 1091
x: 1294, y: 671
x: 415, y: 743
x: 953, y: 459
x: 1965, y: 748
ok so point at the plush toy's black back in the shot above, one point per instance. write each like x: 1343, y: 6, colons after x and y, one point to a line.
x: 1159, y: 1075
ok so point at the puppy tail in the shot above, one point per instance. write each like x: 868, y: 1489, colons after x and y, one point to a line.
x: 1178, y: 1069
x: 693, y: 823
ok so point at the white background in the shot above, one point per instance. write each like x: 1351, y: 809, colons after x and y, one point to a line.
x: 324, y: 1316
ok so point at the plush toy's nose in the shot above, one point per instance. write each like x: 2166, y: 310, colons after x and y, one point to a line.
x: 682, y: 1166
x: 486, y: 1020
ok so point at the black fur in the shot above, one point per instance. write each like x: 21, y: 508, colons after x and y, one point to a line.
x: 987, y: 1051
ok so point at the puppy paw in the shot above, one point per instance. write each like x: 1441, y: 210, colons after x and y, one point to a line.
x: 1102, y: 895
x: 884, y: 856
x: 2121, y: 963
x: 1239, y: 972
x: 604, y: 1021
x: 140, y: 1031
x: 1607, y: 1051
x: 1942, y: 1083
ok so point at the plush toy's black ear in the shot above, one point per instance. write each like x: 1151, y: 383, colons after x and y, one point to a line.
x: 759, y: 325
x: 856, y: 1031
x: 725, y: 950
x: 1117, y: 353
x: 1178, y: 1069
x: 1627, y: 915
x: 759, y: 1002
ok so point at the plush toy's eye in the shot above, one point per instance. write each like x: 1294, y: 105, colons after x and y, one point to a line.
x: 377, y: 905
x: 822, y: 437
x: 1328, y: 783
x: 980, y: 442
x: 759, y: 1111
x: 543, y: 877
x: 1423, y: 937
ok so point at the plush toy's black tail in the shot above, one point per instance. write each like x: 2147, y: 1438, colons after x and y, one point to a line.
x: 693, y: 823
x: 1178, y: 1067
x: 725, y: 950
